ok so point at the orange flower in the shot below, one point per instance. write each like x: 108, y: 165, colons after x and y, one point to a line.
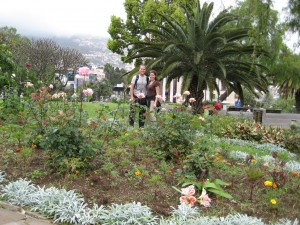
x: 18, y: 149
x: 137, y: 173
x: 295, y: 174
x: 170, y: 171
x: 274, y: 186
x: 218, y: 151
x: 218, y: 158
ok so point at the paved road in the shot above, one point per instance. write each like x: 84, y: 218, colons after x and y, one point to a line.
x: 273, y: 119
x: 14, y: 215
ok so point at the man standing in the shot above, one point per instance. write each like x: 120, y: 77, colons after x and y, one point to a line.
x: 138, y: 96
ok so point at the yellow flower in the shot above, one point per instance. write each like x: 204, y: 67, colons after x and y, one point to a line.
x: 137, y: 173
x: 268, y: 183
x: 77, y: 172
x: 126, y: 134
x: 273, y: 201
x: 253, y: 160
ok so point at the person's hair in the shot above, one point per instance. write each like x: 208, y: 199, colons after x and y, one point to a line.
x: 155, y: 73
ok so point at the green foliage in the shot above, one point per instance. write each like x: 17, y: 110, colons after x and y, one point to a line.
x: 11, y: 104
x: 213, y: 186
x: 126, y: 35
x: 171, y: 135
x: 199, y: 162
x: 102, y: 88
x: 196, y: 51
x: 286, y: 104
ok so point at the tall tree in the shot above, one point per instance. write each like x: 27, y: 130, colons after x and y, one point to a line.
x: 114, y: 75
x: 286, y: 75
x: 140, y: 13
x: 264, y: 28
x: 7, y: 66
x: 201, y: 51
x: 293, y: 20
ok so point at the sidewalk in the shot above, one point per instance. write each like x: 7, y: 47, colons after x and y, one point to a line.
x: 15, y: 215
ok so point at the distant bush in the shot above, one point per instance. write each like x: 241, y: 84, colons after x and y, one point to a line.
x: 287, y: 105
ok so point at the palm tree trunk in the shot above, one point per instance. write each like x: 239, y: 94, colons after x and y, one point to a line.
x: 198, y: 94
x: 297, y: 100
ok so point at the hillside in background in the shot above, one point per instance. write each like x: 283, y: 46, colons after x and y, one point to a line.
x: 94, y: 49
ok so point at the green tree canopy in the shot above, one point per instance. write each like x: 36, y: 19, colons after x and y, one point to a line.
x: 125, y: 35
x: 202, y: 51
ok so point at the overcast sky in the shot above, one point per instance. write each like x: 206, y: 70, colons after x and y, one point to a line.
x: 50, y: 18
x: 60, y: 17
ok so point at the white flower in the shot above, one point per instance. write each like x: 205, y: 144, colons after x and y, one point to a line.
x: 191, y: 100
x: 28, y: 84
x: 51, y: 86
x: 186, y: 93
x: 204, y: 199
x: 163, y: 110
x: 201, y: 118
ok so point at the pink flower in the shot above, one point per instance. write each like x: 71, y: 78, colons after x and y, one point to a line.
x: 88, y: 92
x: 84, y: 71
x: 204, y: 199
x: 190, y: 190
x: 189, y: 200
x: 140, y: 95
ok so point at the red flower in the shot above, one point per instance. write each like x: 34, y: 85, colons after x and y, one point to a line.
x: 27, y: 65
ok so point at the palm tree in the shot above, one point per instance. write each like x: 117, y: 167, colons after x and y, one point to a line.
x: 203, y: 52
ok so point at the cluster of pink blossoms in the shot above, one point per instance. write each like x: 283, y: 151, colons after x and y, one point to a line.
x: 88, y: 92
x: 190, y: 200
x: 140, y: 95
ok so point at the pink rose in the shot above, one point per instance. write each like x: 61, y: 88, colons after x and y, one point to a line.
x: 88, y: 92
x: 140, y: 95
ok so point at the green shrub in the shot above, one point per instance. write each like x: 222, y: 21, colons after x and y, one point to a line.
x: 286, y: 104
x: 172, y: 134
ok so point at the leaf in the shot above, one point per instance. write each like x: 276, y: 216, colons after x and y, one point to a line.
x: 208, y: 184
x: 221, y: 182
x: 220, y: 192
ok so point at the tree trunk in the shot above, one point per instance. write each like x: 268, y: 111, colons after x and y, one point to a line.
x: 198, y: 94
x: 297, y: 100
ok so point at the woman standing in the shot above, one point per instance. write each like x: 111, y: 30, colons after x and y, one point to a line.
x: 153, y: 94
